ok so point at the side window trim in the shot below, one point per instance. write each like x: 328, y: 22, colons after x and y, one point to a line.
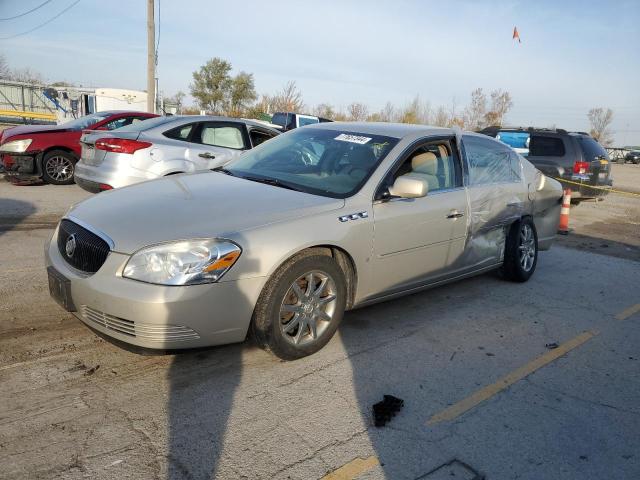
x: 410, y: 149
x: 195, y: 127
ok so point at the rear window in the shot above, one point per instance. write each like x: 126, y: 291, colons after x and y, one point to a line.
x: 279, y: 119
x: 546, y: 146
x: 146, y: 124
x: 514, y: 139
x: 591, y: 149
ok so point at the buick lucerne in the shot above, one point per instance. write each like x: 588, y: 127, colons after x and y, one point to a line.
x: 282, y: 240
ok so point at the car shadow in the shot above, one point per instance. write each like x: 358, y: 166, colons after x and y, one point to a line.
x: 13, y: 214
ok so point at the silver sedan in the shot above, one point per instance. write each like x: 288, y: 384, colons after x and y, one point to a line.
x: 281, y: 241
x: 163, y: 146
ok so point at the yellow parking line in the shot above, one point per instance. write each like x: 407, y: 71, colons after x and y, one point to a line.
x: 489, y: 391
x: 352, y: 469
x: 628, y: 312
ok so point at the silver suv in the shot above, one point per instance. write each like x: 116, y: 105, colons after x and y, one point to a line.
x: 163, y: 146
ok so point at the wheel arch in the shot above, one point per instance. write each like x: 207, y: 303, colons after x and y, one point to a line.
x: 41, y: 155
x: 343, y: 259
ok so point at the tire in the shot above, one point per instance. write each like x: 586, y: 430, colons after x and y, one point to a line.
x: 520, y: 251
x: 288, y: 309
x: 58, y: 167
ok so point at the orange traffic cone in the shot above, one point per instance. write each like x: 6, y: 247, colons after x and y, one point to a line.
x: 563, y: 227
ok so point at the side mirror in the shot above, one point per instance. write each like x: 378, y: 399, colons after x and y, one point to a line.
x: 409, y: 187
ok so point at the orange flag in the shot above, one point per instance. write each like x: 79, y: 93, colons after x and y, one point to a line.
x: 516, y: 35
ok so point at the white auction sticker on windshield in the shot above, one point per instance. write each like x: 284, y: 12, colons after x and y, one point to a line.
x: 344, y: 137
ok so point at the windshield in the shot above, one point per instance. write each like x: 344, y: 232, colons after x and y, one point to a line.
x: 147, y: 124
x: 324, y: 162
x: 86, y: 121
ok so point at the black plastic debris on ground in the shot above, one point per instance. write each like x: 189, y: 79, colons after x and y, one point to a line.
x: 387, y: 408
x: 552, y: 345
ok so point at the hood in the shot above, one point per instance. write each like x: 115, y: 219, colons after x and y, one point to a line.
x: 26, y: 129
x: 202, y: 205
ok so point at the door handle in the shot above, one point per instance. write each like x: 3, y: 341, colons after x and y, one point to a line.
x: 513, y: 204
x: 207, y: 155
x: 455, y: 214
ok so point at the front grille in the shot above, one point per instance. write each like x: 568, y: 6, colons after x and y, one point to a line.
x: 147, y: 331
x: 86, y: 251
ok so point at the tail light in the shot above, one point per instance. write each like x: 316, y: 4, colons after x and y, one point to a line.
x: 580, y: 168
x: 120, y: 145
x: 104, y: 186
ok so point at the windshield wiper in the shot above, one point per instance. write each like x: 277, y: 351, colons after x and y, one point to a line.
x: 274, y: 182
x: 223, y: 170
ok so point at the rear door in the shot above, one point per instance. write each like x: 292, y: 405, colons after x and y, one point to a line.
x: 497, y: 198
x: 217, y: 143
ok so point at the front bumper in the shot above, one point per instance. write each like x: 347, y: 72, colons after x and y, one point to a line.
x: 155, y: 316
x: 20, y: 163
x: 89, y: 177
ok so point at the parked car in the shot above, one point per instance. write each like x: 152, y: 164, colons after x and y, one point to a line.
x: 284, y: 239
x: 289, y: 120
x: 574, y: 158
x: 50, y: 152
x: 164, y: 146
x: 633, y: 157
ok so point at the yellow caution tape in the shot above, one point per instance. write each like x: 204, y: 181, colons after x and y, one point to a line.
x: 620, y: 192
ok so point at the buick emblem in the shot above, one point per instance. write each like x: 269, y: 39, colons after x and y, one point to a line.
x: 70, y: 246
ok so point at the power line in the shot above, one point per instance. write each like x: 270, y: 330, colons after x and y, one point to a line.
x: 42, y: 24
x: 26, y: 13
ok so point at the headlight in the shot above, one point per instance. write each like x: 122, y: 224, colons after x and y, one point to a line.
x: 16, y: 146
x: 187, y: 262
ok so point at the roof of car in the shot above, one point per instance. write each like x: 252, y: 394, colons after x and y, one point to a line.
x: 200, y: 118
x: 397, y: 130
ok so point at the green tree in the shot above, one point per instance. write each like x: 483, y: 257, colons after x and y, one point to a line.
x: 211, y: 85
x: 241, y: 93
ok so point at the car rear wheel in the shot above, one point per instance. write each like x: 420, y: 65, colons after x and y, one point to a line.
x: 58, y: 167
x: 521, y: 251
x: 301, y: 306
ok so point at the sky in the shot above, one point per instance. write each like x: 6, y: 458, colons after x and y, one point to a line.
x: 574, y: 55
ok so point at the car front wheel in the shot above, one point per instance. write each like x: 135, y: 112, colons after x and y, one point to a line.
x: 58, y: 167
x: 301, y: 306
x: 521, y: 251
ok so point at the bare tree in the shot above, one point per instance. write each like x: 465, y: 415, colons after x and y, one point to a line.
x: 289, y: 99
x: 388, y: 113
x: 476, y: 110
x: 441, y: 117
x: 358, y: 112
x: 600, y: 120
x: 324, y: 110
x: 26, y: 75
x: 501, y: 103
x: 416, y: 111
x: 4, y: 67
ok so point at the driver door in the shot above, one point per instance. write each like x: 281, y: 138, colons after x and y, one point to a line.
x: 420, y: 239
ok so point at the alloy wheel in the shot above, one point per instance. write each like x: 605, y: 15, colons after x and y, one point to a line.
x: 308, y: 308
x: 59, y: 168
x: 527, y: 247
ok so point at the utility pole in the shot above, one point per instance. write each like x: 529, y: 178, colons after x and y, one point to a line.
x: 151, y: 57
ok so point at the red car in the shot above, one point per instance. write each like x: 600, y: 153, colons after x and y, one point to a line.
x: 51, y: 151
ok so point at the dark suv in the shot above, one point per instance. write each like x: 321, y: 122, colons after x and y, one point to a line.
x: 574, y: 158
